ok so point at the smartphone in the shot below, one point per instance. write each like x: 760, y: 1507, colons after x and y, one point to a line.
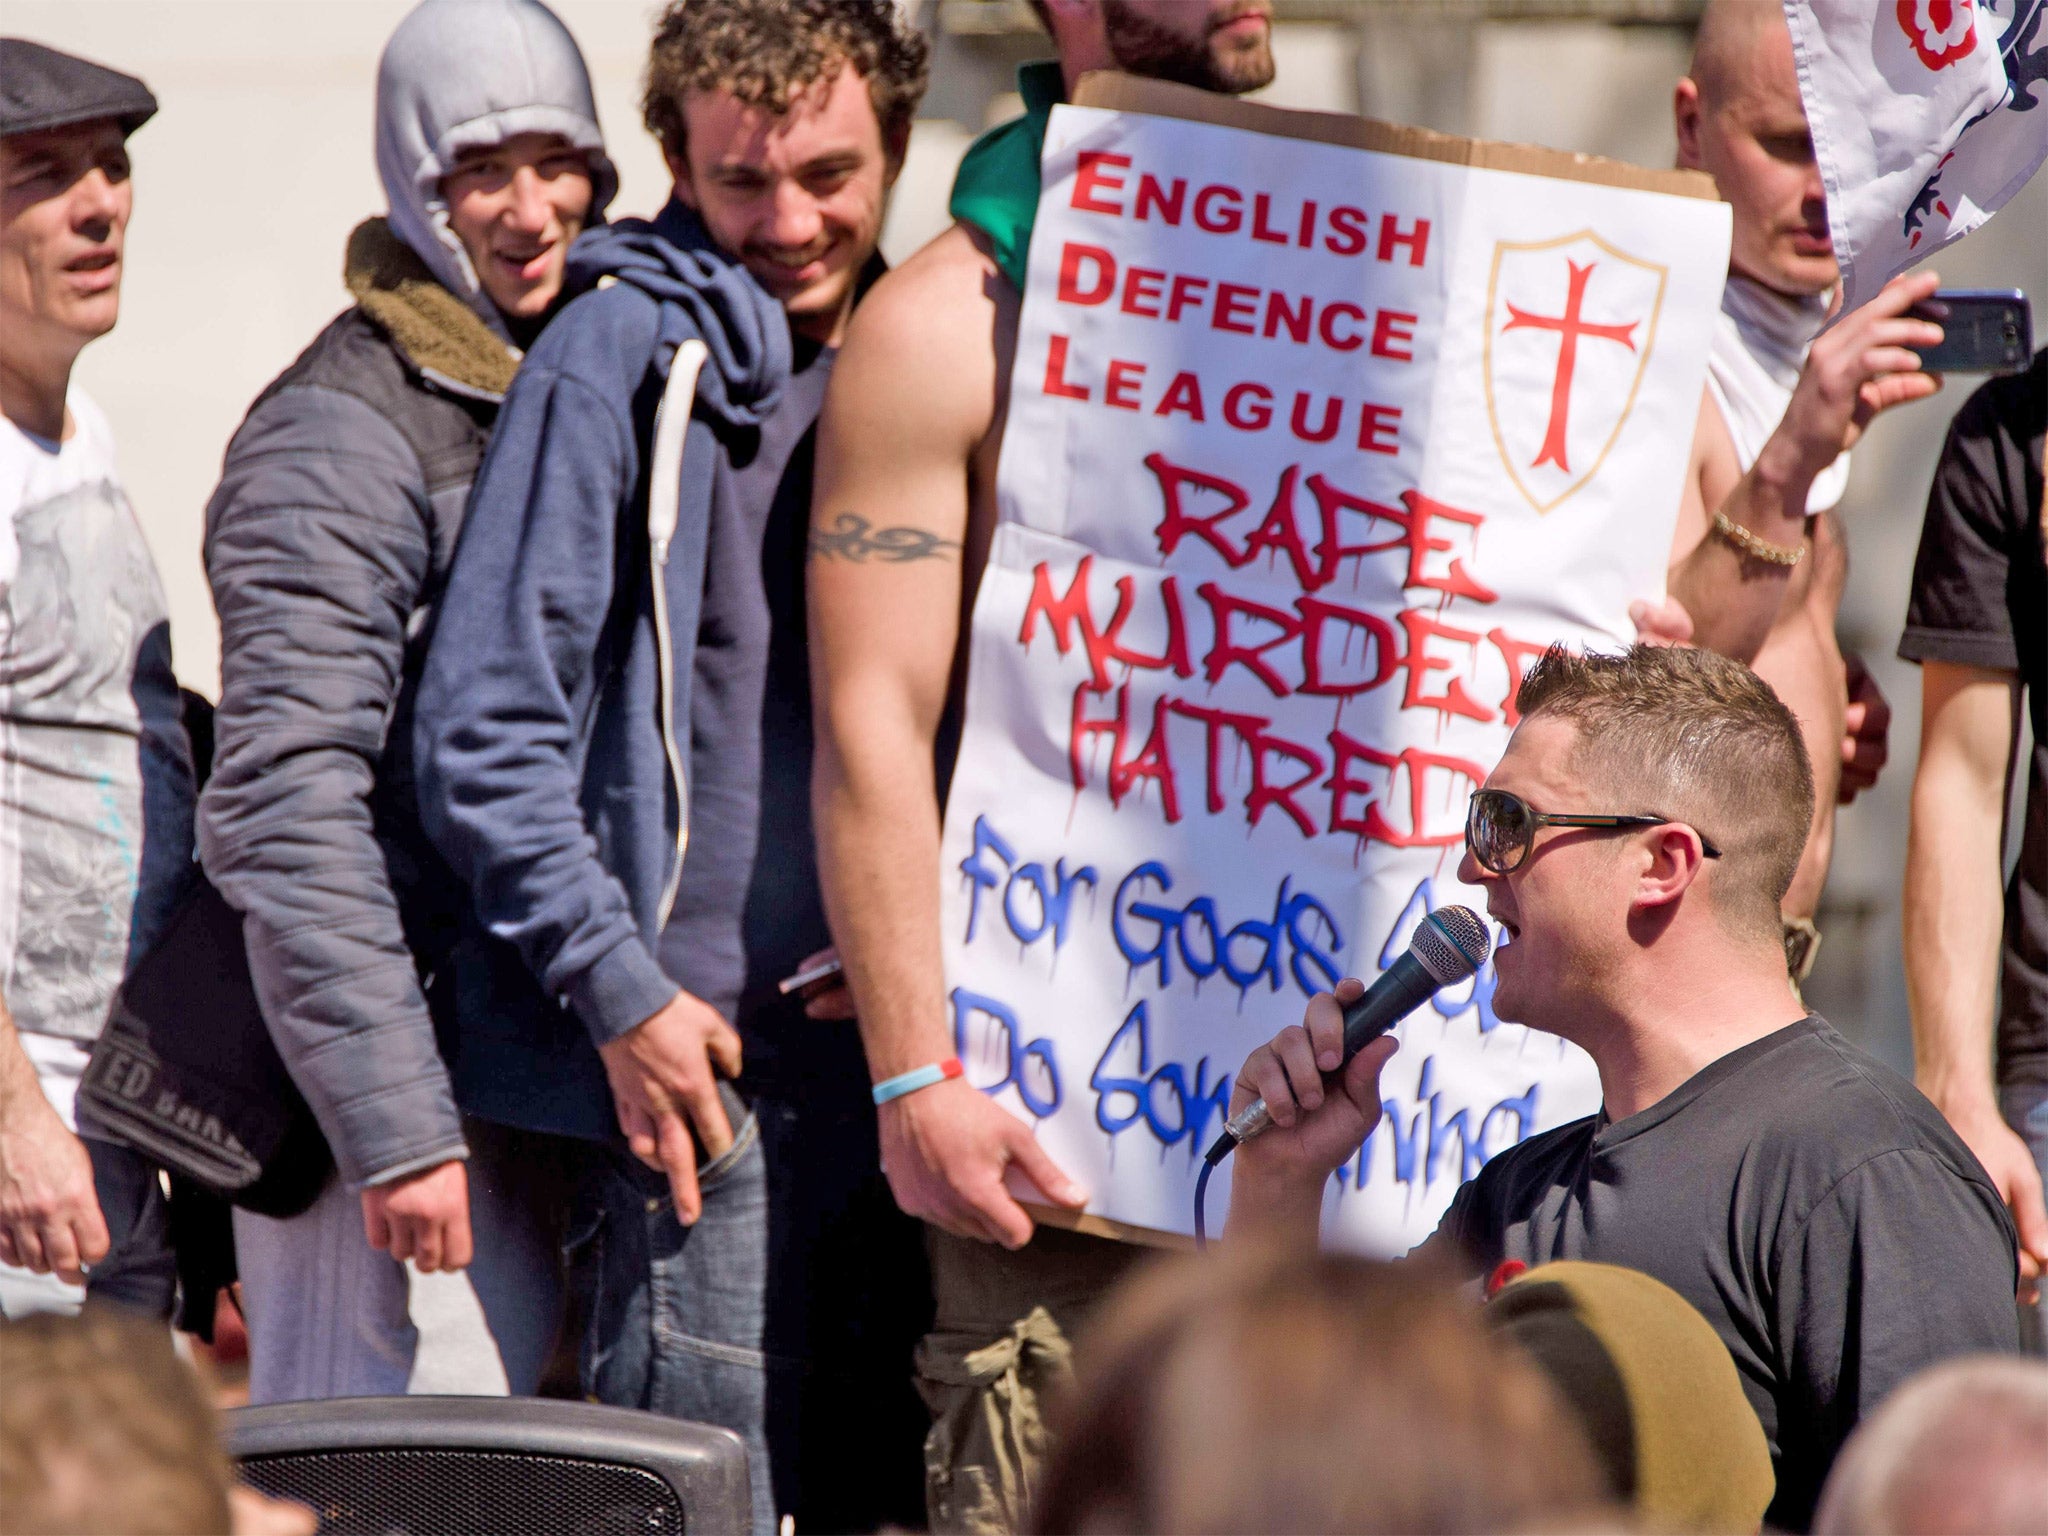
x: 1984, y: 330
x: 805, y: 978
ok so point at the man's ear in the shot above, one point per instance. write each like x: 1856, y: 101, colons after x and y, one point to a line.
x: 1079, y: 36
x: 679, y: 169
x: 895, y: 145
x: 1675, y: 860
x: 1686, y: 113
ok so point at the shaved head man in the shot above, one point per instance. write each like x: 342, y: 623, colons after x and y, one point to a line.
x: 1759, y: 557
x: 1741, y: 121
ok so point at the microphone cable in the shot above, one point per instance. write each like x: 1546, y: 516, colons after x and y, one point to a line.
x: 1219, y: 1149
x: 1225, y: 1143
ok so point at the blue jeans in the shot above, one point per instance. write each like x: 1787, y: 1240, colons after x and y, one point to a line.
x: 139, y: 1272
x: 675, y: 1316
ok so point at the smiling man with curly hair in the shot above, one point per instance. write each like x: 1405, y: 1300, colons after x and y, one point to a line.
x: 748, y: 98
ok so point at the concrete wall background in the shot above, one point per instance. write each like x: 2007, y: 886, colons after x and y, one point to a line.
x: 249, y: 180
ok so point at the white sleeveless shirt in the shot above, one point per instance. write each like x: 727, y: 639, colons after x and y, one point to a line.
x: 1760, y: 344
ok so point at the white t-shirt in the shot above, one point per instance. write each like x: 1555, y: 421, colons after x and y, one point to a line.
x: 96, y: 792
x: 1760, y: 344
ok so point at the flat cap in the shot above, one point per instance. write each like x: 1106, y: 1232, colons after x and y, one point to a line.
x: 43, y: 88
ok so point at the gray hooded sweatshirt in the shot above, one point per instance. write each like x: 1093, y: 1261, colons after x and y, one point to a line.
x: 328, y: 544
x: 464, y: 74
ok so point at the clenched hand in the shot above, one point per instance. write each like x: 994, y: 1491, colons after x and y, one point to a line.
x: 423, y: 1217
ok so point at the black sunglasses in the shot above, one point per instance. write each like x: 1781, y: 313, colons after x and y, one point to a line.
x: 1500, y: 828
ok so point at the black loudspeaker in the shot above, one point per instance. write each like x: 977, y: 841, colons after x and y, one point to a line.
x: 520, y: 1466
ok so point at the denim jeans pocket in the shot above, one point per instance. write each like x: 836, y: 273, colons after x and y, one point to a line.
x: 720, y: 1168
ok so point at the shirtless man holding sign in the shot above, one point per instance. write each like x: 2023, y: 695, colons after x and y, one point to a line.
x: 904, y: 510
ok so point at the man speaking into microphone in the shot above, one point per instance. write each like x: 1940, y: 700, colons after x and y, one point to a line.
x: 1634, y: 844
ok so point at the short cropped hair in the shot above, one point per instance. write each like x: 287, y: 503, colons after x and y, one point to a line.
x: 1682, y: 732
x: 1263, y: 1389
x: 769, y: 52
x: 104, y: 1428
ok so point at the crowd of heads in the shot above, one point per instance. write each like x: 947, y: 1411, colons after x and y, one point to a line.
x: 1260, y: 1390
x: 1256, y: 1389
x: 1265, y: 1389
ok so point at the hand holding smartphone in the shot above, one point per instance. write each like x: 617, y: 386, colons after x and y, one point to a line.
x: 821, y: 982
x: 1984, y: 330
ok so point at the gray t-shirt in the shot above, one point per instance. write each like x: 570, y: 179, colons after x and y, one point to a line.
x: 1817, y: 1210
x: 96, y: 787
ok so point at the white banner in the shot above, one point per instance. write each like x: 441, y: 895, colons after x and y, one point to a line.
x: 1927, y: 116
x: 1310, y: 450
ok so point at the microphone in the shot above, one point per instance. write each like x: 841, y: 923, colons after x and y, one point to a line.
x: 1451, y: 944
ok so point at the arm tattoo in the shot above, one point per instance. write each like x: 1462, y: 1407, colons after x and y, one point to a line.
x: 852, y: 537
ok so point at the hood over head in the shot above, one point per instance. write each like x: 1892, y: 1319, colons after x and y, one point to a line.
x: 703, y: 292
x: 464, y: 73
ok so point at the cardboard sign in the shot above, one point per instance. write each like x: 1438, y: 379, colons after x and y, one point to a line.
x: 1319, y: 432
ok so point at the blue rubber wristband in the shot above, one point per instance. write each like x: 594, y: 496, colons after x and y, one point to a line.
x: 922, y: 1077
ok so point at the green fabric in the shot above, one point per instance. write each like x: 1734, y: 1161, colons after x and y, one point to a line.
x: 997, y: 189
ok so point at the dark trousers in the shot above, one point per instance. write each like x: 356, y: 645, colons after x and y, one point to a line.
x: 849, y: 1295
x: 140, y: 1271
x: 795, y: 1304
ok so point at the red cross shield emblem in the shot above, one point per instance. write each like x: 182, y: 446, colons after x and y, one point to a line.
x: 1570, y: 324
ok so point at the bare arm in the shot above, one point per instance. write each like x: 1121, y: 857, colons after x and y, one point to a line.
x: 1858, y: 368
x: 1954, y: 912
x: 913, y: 398
x: 906, y: 410
x: 1733, y: 598
x: 50, y: 1218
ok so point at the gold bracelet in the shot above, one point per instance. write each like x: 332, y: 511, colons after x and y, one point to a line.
x: 1757, y: 548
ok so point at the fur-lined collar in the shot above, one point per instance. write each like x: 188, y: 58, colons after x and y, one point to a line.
x: 436, y: 331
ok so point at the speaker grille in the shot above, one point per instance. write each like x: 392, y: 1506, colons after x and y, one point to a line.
x: 406, y: 1492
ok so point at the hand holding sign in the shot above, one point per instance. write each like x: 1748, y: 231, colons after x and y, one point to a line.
x: 945, y: 1152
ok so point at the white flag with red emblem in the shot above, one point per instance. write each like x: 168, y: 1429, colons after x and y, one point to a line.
x: 1927, y: 116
